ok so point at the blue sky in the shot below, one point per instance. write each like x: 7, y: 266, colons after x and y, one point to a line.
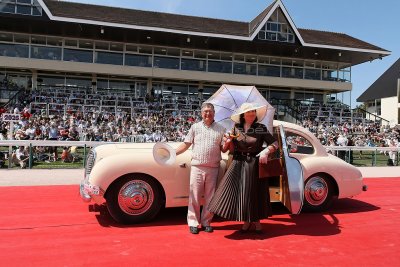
x: 376, y: 22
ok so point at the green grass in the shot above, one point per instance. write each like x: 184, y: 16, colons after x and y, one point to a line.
x: 366, y: 160
x: 51, y: 164
x: 57, y: 165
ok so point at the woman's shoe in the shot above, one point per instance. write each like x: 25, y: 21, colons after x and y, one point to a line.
x: 245, y: 228
x: 258, y: 229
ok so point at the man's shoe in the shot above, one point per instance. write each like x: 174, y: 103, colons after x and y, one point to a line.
x: 208, y: 229
x: 193, y: 230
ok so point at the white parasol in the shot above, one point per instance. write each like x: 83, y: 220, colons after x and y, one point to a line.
x: 228, y: 98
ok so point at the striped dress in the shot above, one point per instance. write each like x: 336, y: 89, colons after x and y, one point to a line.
x: 241, y: 195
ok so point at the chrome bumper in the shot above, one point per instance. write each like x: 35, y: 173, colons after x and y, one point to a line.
x: 88, y: 190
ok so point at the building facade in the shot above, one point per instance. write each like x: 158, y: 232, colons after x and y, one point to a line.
x: 48, y: 44
x: 383, y: 96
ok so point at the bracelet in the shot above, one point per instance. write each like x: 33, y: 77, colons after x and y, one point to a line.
x: 274, y: 146
x: 265, y: 150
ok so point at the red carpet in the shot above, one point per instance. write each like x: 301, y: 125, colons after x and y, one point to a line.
x: 51, y: 226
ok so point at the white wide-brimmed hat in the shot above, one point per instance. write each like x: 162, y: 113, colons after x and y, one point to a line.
x: 164, y: 154
x: 261, y: 110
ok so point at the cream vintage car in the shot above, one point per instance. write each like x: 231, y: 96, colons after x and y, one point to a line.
x: 135, y: 188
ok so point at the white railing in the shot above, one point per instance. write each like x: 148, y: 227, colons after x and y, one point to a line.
x: 348, y: 155
x: 51, y: 143
x: 362, y: 148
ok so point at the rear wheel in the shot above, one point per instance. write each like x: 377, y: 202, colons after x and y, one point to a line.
x: 318, y: 193
x: 134, y: 199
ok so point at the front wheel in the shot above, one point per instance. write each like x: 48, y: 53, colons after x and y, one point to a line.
x: 134, y: 199
x: 318, y: 193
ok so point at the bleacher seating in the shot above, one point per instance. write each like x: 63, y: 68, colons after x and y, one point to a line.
x: 62, y: 101
x: 331, y: 112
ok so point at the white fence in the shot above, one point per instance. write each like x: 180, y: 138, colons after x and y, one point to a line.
x: 374, y: 156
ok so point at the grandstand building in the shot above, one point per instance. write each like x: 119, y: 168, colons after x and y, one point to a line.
x: 383, y: 96
x: 56, y: 45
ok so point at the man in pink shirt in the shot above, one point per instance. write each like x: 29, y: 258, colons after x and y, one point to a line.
x: 206, y: 137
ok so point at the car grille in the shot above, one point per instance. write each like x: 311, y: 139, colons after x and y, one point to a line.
x: 91, y: 157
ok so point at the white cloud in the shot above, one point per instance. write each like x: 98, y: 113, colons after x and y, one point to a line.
x: 172, y: 6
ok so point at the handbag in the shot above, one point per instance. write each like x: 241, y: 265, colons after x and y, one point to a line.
x: 273, y: 168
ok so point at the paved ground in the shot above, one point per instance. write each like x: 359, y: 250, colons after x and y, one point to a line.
x: 380, y: 172
x: 18, y: 177
x: 40, y: 177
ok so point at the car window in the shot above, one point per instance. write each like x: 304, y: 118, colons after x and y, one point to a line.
x: 298, y: 144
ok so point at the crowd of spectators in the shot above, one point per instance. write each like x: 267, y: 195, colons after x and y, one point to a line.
x: 96, y: 126
x: 370, y: 134
x: 158, y: 126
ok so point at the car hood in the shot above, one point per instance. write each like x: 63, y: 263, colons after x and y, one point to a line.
x: 107, y: 150
x: 141, y: 145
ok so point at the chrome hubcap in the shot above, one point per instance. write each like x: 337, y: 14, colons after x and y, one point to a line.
x: 135, y: 197
x: 316, y: 191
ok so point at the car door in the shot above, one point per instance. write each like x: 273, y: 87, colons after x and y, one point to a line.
x: 292, y: 183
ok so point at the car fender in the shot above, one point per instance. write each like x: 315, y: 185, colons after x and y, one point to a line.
x: 110, y: 168
x: 347, y: 177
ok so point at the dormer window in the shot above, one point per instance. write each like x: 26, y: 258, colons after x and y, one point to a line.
x: 277, y: 29
x: 22, y: 7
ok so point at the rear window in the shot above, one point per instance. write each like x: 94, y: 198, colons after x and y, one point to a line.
x: 298, y: 144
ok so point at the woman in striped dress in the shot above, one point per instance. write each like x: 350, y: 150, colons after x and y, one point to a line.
x: 241, y: 195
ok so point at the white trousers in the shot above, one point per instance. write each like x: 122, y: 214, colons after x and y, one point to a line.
x: 203, y: 181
